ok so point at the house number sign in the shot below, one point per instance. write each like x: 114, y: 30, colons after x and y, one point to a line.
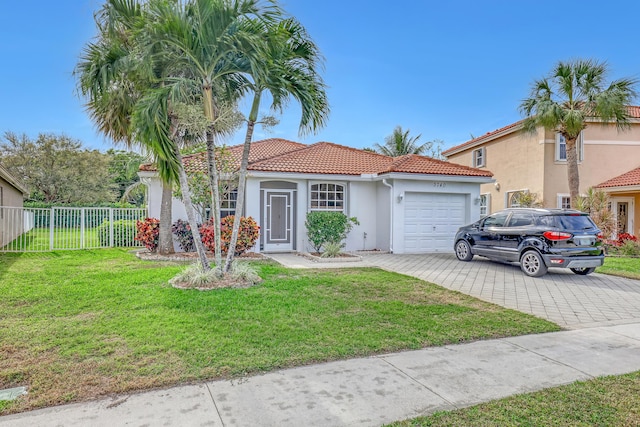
x: 439, y: 184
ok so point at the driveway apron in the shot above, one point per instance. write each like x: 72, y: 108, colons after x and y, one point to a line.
x: 560, y: 296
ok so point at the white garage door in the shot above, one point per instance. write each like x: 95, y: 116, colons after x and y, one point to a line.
x: 431, y: 221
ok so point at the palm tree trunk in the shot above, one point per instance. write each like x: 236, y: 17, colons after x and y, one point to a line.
x: 165, y: 239
x: 242, y: 179
x: 191, y: 213
x: 214, y: 183
x: 572, y: 171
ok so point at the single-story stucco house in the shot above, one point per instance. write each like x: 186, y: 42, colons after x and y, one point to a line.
x: 12, y: 195
x: 406, y: 204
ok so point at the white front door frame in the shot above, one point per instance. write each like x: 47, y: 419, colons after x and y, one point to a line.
x: 275, y: 222
x: 615, y: 202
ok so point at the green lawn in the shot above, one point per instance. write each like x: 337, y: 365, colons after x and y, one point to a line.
x: 607, y: 401
x: 621, y: 266
x: 39, y: 239
x: 80, y: 324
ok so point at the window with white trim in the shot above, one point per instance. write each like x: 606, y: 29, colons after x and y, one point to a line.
x: 561, y: 148
x: 564, y: 201
x: 228, y: 203
x: 479, y: 157
x: 326, y: 196
x: 514, y: 198
x: 485, y: 201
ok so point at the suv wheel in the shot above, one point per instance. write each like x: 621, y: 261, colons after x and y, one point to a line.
x: 583, y: 271
x: 532, y: 264
x: 463, y: 251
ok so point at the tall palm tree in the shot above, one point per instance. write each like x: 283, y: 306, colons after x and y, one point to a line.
x: 286, y: 68
x: 575, y: 92
x: 110, y: 98
x: 121, y: 81
x: 400, y: 143
x: 208, y: 44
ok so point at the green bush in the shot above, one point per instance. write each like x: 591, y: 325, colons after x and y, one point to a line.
x: 328, y: 227
x: 124, y: 232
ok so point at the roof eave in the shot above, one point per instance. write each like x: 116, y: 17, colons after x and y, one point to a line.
x: 480, y: 141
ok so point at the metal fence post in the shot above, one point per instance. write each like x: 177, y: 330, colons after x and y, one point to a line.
x: 111, y: 239
x: 82, y: 219
x: 51, y: 227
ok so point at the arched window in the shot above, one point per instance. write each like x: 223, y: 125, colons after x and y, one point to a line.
x: 327, y: 197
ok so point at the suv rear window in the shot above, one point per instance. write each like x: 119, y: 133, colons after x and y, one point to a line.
x: 574, y: 222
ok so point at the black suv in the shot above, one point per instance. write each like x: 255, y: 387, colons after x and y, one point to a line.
x: 536, y: 238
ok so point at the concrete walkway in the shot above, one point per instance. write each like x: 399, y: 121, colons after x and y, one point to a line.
x: 370, y: 391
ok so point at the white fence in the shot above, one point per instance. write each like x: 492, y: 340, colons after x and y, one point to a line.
x: 62, y: 228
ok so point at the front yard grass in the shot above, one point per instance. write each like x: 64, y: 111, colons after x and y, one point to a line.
x: 81, y: 324
x: 606, y: 401
x: 621, y: 266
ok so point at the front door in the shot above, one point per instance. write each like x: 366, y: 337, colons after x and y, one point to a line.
x: 624, y: 210
x: 278, y: 210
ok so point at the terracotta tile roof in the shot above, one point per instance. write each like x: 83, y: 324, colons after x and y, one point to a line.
x: 486, y: 136
x: 412, y: 163
x: 626, y: 179
x: 325, y: 158
x: 634, y: 113
x: 279, y: 155
x: 260, y: 150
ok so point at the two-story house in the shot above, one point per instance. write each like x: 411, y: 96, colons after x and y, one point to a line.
x: 536, y: 163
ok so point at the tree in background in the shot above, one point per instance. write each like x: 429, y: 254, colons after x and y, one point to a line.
x: 574, y: 92
x: 57, y: 170
x: 123, y: 169
x: 400, y: 143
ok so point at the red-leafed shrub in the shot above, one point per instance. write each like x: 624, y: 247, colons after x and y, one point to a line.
x: 148, y: 232
x: 247, y: 234
x: 626, y: 237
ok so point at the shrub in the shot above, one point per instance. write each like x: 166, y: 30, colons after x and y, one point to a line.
x: 245, y: 272
x: 624, y: 237
x: 194, y: 276
x: 328, y: 227
x: 332, y: 249
x: 247, y: 234
x: 182, y: 233
x: 629, y: 248
x: 148, y: 231
x: 123, y: 233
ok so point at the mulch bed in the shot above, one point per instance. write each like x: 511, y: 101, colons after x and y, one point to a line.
x: 189, y: 256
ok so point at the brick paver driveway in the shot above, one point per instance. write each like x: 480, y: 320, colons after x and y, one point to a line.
x: 565, y: 298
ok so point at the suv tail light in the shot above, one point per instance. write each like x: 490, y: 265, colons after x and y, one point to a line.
x: 557, y: 235
x: 600, y: 236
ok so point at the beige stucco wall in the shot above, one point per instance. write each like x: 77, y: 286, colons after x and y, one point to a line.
x: 10, y: 220
x: 607, y: 154
x: 516, y: 161
x: 523, y: 161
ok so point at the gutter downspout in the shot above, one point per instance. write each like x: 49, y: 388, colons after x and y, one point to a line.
x: 384, y: 182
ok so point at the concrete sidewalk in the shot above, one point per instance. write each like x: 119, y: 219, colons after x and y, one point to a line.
x: 369, y: 391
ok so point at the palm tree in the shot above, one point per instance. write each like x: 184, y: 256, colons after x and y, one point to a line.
x: 286, y: 69
x: 208, y: 44
x: 400, y: 143
x: 572, y: 94
x: 111, y: 98
x: 120, y: 79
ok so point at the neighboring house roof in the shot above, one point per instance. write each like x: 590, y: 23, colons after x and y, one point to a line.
x: 631, y: 178
x: 413, y: 163
x: 279, y: 155
x: 634, y: 113
x: 4, y: 174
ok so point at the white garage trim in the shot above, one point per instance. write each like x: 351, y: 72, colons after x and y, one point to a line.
x: 431, y: 221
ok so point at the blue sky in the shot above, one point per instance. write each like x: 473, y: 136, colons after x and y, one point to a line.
x: 446, y: 70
